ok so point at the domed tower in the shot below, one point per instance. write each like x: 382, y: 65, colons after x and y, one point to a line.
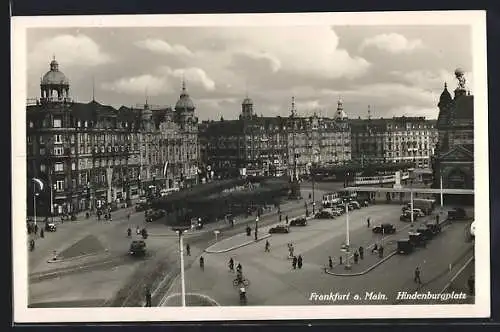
x: 247, y: 108
x: 340, y: 114
x: 54, y: 86
x: 184, y: 107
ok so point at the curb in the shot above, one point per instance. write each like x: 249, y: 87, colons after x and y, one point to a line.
x: 236, y: 247
x: 362, y: 272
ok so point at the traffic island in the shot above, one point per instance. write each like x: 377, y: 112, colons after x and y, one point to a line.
x: 233, y: 243
x: 369, y: 262
x: 88, y: 246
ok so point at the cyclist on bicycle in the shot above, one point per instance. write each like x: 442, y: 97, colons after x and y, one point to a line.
x: 243, y: 295
x: 231, y: 265
x: 239, y: 276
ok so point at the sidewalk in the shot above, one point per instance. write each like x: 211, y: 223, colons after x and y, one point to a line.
x: 365, y: 265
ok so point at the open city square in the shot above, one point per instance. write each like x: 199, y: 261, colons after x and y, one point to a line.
x: 286, y: 172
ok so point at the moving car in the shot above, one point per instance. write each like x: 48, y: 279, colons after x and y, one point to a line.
x: 50, y: 227
x: 196, y: 223
x: 456, y: 214
x: 405, y: 246
x: 324, y: 214
x: 426, y: 232
x: 154, y: 215
x: 406, y: 216
x: 137, y: 248
x: 300, y: 221
x: 279, y: 229
x: 355, y: 204
x: 384, y: 228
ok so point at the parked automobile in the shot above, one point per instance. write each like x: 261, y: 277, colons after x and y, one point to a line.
x: 301, y: 221
x: 338, y: 210
x: 155, y: 215
x: 434, y: 228
x: 405, y: 246
x: 456, y: 214
x: 196, y: 223
x: 417, y: 239
x: 137, y: 248
x: 426, y: 232
x: 50, y: 227
x: 279, y: 229
x: 406, y: 216
x: 139, y: 207
x: 355, y: 204
x: 324, y: 214
x: 384, y: 228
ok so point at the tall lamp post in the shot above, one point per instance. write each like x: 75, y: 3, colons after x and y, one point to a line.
x: 180, y: 231
x: 347, y: 263
x: 314, y: 201
x: 256, y: 227
x: 36, y: 182
x: 441, y: 187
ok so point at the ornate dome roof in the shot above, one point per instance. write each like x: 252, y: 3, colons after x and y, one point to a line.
x: 247, y: 101
x: 184, y: 101
x: 54, y: 76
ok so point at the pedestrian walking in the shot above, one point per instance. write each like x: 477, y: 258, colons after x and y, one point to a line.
x: 299, y: 261
x: 268, y: 246
x: 239, y: 268
x: 368, y: 222
x: 42, y: 234
x: 361, y: 252
x: 280, y: 217
x: 294, y: 262
x: 128, y: 216
x: 356, y: 257
x: 310, y: 196
x: 286, y: 218
x: 188, y: 250
x: 148, y: 297
x: 202, y: 263
x: 380, y: 251
x: 416, y: 277
x: 330, y: 262
x: 231, y: 264
x: 375, y: 248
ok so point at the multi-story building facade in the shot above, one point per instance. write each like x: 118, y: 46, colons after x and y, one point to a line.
x: 397, y: 139
x: 454, y: 158
x: 89, y: 153
x: 267, y: 145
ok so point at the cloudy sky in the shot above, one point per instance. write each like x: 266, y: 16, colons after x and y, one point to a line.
x: 396, y: 70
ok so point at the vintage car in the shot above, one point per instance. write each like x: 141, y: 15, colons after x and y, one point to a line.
x: 384, y: 228
x: 300, y: 221
x: 405, y: 246
x: 324, y: 214
x: 279, y: 229
x: 50, y: 227
x: 433, y: 227
x: 137, y: 248
x: 406, y: 216
x: 426, y: 232
x: 355, y: 204
x: 139, y: 207
x: 196, y: 223
x: 155, y: 215
x: 417, y: 239
x: 456, y: 214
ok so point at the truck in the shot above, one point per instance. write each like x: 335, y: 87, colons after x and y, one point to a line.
x: 424, y: 204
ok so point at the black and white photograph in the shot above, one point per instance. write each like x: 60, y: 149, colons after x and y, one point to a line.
x: 250, y: 166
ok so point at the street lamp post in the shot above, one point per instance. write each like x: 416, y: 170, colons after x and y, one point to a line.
x: 256, y: 227
x: 347, y: 264
x: 180, y: 231
x: 441, y: 188
x: 314, y: 201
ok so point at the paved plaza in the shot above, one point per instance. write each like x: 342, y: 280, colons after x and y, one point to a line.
x: 273, y: 281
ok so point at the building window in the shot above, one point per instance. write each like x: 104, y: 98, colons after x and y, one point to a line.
x: 31, y: 124
x: 59, y: 167
x: 42, y: 168
x: 58, y: 151
x: 60, y: 185
x: 57, y: 123
x: 58, y: 138
x: 73, y: 166
x: 42, y: 151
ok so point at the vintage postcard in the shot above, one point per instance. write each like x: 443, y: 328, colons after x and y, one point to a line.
x: 250, y: 167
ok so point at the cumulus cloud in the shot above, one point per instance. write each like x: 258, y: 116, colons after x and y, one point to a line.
x: 305, y: 50
x: 393, y: 43
x: 70, y: 50
x: 193, y: 76
x: 433, y: 80
x: 162, y: 47
x: 138, y: 85
x: 255, y: 62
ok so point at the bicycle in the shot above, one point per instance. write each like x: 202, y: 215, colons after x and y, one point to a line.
x: 244, y: 281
